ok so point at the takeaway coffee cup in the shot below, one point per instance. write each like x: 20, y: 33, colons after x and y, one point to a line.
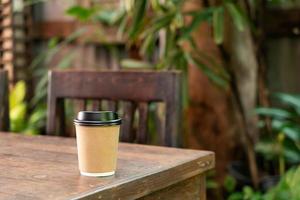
x: 97, y: 136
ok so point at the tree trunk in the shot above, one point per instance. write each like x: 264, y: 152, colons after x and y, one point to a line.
x: 222, y: 119
x: 211, y: 115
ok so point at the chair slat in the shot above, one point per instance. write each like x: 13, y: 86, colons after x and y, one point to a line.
x: 61, y: 117
x: 4, y: 107
x: 143, y: 122
x: 96, y: 104
x: 127, y: 123
x: 112, y: 105
x: 80, y: 105
x: 85, y: 104
x: 160, y: 121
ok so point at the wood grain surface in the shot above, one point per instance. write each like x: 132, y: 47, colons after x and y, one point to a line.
x: 45, y: 167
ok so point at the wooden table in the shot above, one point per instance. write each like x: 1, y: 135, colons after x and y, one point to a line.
x: 44, y: 167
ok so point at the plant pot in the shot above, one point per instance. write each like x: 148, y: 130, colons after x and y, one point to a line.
x: 240, y: 171
x: 268, y: 182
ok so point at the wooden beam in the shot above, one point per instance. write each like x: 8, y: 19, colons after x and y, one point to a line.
x: 279, y: 22
x: 94, y: 33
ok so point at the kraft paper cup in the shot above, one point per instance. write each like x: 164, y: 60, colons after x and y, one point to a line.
x: 97, y: 136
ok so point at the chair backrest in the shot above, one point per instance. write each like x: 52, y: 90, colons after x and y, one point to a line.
x: 136, y: 88
x: 4, y: 107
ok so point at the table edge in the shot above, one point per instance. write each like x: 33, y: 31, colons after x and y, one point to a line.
x: 184, y: 171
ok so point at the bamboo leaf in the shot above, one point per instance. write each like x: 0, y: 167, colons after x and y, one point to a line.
x: 122, y: 26
x: 80, y: 12
x: 207, y: 71
x: 130, y: 63
x: 290, y: 100
x: 42, y: 84
x: 138, y: 17
x: 37, y: 116
x: 38, y: 97
x: 292, y: 132
x: 273, y: 112
x: 198, y: 18
x: 218, y: 24
x: 156, y: 5
x: 237, y: 16
x: 147, y: 47
x: 159, y: 23
x: 210, y: 60
x: 66, y: 61
x: 53, y: 42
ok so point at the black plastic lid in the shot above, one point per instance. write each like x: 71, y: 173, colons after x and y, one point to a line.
x: 97, y: 118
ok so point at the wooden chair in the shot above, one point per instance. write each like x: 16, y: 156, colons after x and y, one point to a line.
x: 4, y: 108
x: 137, y: 89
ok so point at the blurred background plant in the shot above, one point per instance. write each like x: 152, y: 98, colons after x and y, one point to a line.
x: 283, y: 142
x: 286, y: 189
x: 18, y: 110
x: 30, y: 117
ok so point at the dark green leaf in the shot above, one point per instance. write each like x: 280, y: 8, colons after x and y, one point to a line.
x: 170, y: 43
x: 290, y: 100
x: 53, y: 42
x: 236, y: 196
x: 229, y: 183
x: 148, y: 45
x: 37, y: 117
x: 198, y: 18
x: 292, y: 132
x: 273, y: 112
x: 80, y: 12
x: 237, y: 16
x: 41, y: 95
x: 218, y: 24
x: 66, y: 61
x: 161, y: 22
x: 138, y: 17
x: 210, y: 60
x: 292, y: 156
x: 220, y: 81
x: 267, y: 148
x: 122, y: 26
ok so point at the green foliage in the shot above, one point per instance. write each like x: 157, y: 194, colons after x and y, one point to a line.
x: 198, y: 18
x: 81, y: 13
x: 141, y: 22
x: 137, y: 18
x: 286, y: 189
x: 218, y: 26
x: 229, y: 183
x: 247, y: 194
x: 284, y: 144
x: 34, y: 121
x: 237, y: 15
x: 211, y: 183
x: 17, y: 107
